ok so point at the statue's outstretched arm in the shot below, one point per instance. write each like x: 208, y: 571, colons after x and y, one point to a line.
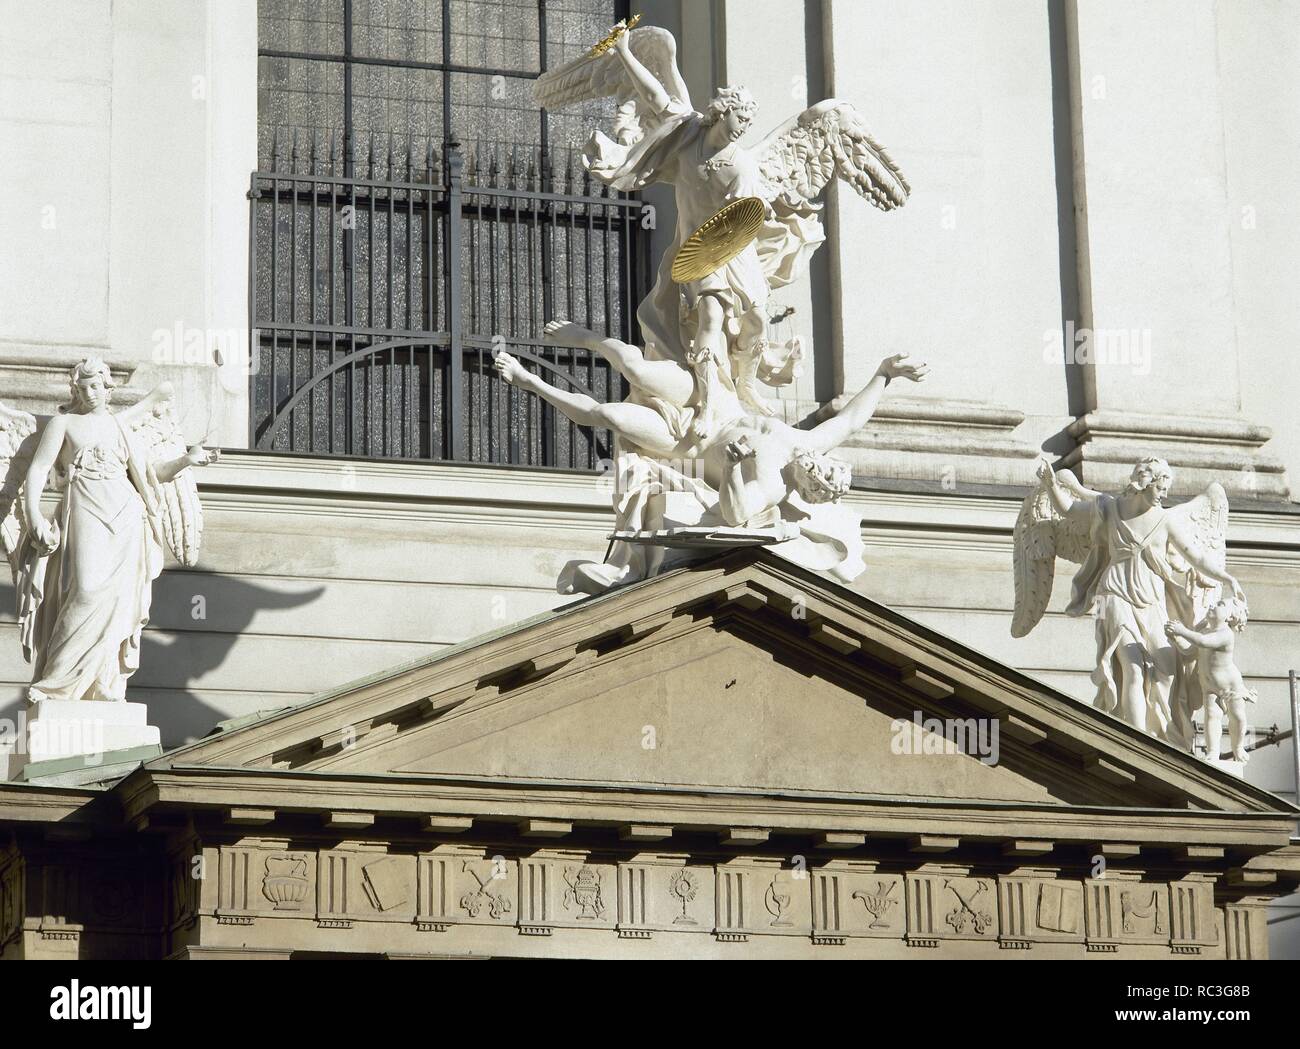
x: 1196, y: 557
x: 857, y: 413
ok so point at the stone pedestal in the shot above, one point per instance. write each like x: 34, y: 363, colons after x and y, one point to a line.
x: 57, y: 737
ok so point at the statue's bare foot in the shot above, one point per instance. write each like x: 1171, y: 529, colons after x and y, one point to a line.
x: 1240, y: 754
x: 508, y: 368
x: 566, y: 333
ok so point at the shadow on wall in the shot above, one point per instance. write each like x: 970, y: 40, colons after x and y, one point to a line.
x: 183, y: 648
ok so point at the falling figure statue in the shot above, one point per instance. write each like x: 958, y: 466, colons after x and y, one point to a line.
x: 753, y: 472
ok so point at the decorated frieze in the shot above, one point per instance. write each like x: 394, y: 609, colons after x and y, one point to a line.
x: 733, y: 899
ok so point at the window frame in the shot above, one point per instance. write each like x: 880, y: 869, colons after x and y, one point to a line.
x: 447, y: 69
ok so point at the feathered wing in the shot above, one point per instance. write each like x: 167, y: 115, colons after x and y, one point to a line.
x: 1041, y: 536
x: 17, y: 442
x: 829, y: 140
x: 1206, y: 522
x: 605, y: 76
x: 158, y: 436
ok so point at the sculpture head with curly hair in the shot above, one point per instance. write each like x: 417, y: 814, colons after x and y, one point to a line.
x: 733, y: 110
x: 90, y: 385
x: 1153, y: 476
x: 820, y: 478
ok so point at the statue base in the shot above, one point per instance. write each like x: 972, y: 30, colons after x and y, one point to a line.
x: 703, y: 537
x: 60, y: 736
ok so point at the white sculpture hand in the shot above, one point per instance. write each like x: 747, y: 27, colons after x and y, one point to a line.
x: 197, y: 455
x: 900, y: 366
x: 1046, y: 475
x: 47, y: 535
x: 740, y: 449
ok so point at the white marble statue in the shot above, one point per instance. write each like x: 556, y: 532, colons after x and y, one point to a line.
x: 702, y: 462
x: 1222, y: 688
x: 717, y: 325
x: 755, y: 474
x: 1144, y: 566
x: 84, y: 579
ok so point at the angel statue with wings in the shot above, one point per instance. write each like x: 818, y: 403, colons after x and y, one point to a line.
x: 1143, y: 566
x: 716, y: 325
x: 84, y: 579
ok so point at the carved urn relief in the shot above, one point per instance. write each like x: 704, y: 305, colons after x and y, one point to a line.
x: 286, y: 882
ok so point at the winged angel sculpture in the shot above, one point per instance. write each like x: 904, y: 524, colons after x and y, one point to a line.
x: 84, y: 579
x: 1142, y: 566
x: 699, y: 450
x: 716, y: 325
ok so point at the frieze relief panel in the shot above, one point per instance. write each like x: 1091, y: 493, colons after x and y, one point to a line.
x: 361, y: 883
x: 1043, y: 909
x: 664, y: 893
x: 760, y: 898
x: 488, y: 890
x: 258, y: 880
x: 950, y: 906
x: 1121, y: 910
x: 552, y: 891
x: 850, y: 899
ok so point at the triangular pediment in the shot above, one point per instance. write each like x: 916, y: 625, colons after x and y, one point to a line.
x: 741, y: 677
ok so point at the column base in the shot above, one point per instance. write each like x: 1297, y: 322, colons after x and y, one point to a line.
x: 34, y: 378
x: 951, y: 443
x: 1200, y: 450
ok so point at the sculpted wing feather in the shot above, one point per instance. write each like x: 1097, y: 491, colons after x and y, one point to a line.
x: 1041, y: 535
x: 605, y: 76
x: 1205, y: 520
x: 158, y: 435
x: 799, y: 158
x: 17, y: 442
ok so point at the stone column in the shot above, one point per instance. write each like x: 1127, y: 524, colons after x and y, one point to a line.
x: 966, y: 274
x: 1157, y: 339
x: 133, y: 131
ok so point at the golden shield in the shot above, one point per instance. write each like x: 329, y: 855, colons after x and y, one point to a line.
x: 719, y: 240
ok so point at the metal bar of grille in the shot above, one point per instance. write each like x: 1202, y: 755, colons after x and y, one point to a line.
x: 455, y: 363
x: 479, y: 253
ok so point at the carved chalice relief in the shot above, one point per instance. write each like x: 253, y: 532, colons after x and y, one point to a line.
x: 878, y: 903
x: 498, y: 903
x: 285, y: 884
x: 967, y: 893
x: 777, y: 904
x: 584, y: 892
x: 684, y: 888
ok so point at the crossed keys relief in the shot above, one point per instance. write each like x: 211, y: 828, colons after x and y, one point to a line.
x: 968, y: 893
x: 498, y: 903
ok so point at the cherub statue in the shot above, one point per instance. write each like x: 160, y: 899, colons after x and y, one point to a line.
x: 717, y: 325
x: 1141, y: 565
x: 1212, y: 642
x: 754, y: 472
x: 84, y: 579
